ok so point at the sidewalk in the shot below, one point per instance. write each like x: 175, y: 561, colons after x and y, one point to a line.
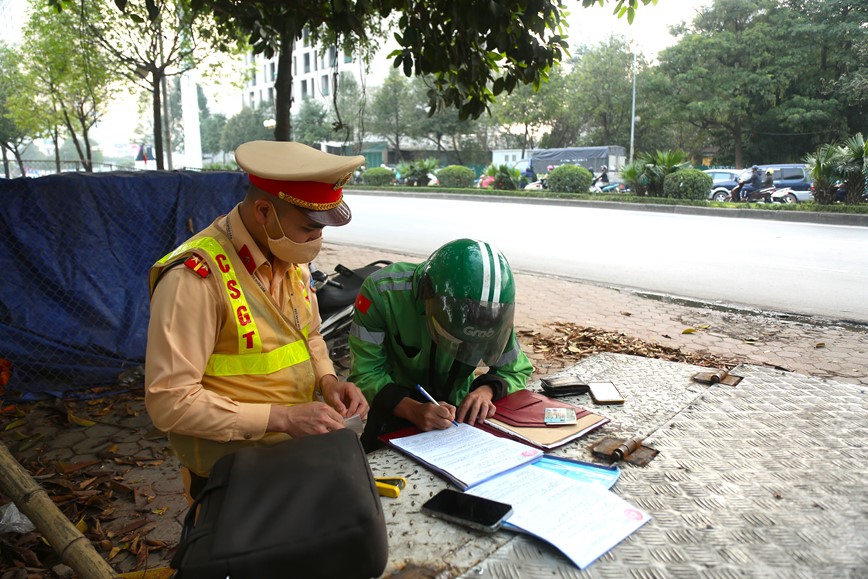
x: 813, y: 346
x: 119, y: 467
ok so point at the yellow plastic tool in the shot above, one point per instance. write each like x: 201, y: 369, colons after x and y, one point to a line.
x: 390, y: 486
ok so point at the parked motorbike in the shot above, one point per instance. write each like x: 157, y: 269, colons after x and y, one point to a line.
x: 336, y: 294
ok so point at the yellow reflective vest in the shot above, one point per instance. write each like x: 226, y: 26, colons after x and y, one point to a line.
x: 261, y: 355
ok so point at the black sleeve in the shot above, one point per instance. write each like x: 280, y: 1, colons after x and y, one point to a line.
x: 381, y: 417
x: 386, y: 399
x: 495, y: 382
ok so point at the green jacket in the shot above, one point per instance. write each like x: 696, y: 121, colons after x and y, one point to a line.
x: 390, y: 345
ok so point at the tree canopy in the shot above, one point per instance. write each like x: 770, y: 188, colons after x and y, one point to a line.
x: 67, y: 80
x: 474, y: 50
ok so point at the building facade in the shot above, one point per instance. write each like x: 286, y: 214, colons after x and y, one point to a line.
x: 314, y: 69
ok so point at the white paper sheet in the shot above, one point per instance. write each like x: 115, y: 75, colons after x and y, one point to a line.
x: 583, y: 520
x: 466, y: 455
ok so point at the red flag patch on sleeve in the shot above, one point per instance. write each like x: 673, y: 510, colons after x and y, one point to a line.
x: 198, y: 265
x: 362, y: 304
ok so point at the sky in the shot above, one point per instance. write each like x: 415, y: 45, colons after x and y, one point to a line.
x: 650, y: 28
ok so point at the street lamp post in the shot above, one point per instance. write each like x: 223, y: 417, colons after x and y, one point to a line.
x: 633, y: 112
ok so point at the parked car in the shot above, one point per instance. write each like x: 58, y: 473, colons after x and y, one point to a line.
x: 722, y: 182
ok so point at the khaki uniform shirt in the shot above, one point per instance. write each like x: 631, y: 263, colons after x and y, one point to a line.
x: 187, y: 313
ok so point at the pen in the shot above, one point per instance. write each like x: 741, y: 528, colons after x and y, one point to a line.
x: 430, y: 398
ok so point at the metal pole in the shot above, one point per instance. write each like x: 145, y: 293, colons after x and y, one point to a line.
x: 167, y: 116
x: 633, y: 112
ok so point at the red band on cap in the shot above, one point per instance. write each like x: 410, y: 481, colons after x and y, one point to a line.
x: 307, y: 194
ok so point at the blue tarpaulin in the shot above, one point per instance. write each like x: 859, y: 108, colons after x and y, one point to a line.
x: 75, y: 250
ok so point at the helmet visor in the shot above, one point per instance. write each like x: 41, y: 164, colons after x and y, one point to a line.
x: 469, y: 330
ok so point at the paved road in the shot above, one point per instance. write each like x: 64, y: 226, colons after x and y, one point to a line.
x: 802, y: 268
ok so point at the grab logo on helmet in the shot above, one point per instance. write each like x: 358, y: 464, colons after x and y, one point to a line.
x: 474, y: 333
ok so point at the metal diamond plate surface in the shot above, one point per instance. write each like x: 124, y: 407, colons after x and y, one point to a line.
x: 765, y: 479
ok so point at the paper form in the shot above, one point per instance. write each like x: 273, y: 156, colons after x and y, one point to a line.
x: 465, y: 454
x: 583, y: 520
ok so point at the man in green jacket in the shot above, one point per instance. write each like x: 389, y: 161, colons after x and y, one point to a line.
x: 430, y: 325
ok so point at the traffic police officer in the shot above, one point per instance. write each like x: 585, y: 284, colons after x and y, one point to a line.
x: 431, y: 324
x: 234, y: 355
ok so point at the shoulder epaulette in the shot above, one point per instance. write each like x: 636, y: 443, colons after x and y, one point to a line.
x: 198, y: 265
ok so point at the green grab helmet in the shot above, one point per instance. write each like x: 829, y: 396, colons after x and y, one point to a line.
x: 469, y: 296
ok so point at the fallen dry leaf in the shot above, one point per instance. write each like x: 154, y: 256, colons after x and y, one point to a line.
x: 67, y: 468
x: 73, y: 419
x: 820, y: 345
x: 161, y: 573
x: 15, y: 424
x: 688, y: 331
x: 572, y: 342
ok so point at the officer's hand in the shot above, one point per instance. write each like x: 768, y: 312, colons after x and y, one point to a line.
x: 345, y: 397
x: 304, y: 419
x: 477, y: 406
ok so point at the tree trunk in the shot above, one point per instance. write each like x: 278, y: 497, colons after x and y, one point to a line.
x: 456, y: 146
x: 283, y: 90
x: 736, y: 142
x: 156, y: 108
x: 55, y: 136
x: 81, y: 154
x: 74, y: 549
x: 88, y: 161
x: 5, y: 160
x: 20, y: 161
x: 604, y: 119
x: 167, y: 122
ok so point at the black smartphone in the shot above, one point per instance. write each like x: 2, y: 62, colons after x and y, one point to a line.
x: 475, y: 512
x: 558, y: 386
x: 605, y: 393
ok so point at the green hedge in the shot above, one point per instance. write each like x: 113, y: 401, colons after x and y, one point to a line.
x: 687, y: 184
x: 569, y: 179
x: 456, y: 176
x: 378, y: 176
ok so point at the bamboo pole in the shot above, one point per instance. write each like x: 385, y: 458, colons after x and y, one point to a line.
x: 74, y: 549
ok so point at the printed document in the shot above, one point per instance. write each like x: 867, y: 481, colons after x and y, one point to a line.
x: 583, y: 520
x: 464, y: 454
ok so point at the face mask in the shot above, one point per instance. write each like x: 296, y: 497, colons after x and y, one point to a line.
x: 290, y: 251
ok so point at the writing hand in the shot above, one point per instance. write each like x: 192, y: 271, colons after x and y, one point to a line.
x: 426, y: 416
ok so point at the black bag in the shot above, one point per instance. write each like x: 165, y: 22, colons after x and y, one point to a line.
x: 307, y: 507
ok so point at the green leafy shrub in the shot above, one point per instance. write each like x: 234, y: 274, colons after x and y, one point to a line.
x: 456, y: 176
x: 633, y: 175
x: 378, y: 176
x: 569, y: 179
x: 646, y: 174
x: 416, y: 173
x: 853, y: 166
x: 687, y: 184
x: 823, y: 166
x: 505, y: 177
x: 227, y: 166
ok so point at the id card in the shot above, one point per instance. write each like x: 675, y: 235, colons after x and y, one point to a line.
x: 555, y: 416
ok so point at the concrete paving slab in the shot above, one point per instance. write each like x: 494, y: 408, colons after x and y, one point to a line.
x: 765, y: 479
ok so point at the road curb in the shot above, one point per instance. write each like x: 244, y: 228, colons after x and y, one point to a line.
x: 849, y: 219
